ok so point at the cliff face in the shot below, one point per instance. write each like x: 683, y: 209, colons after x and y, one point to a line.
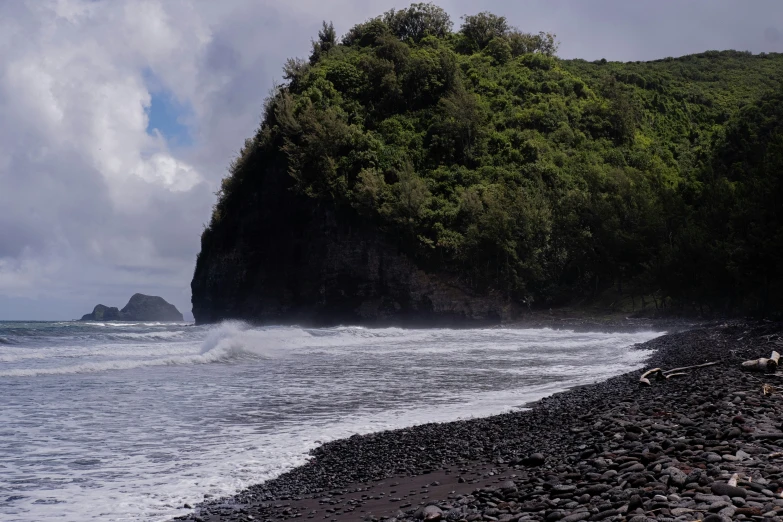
x: 290, y: 259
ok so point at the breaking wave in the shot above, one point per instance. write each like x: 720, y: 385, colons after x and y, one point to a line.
x: 225, y: 343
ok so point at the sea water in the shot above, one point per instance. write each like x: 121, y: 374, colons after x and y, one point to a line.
x: 131, y: 421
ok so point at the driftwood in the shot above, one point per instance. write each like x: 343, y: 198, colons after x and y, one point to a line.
x: 767, y: 436
x: 691, y: 367
x: 657, y: 372
x: 756, y: 365
x: 763, y: 364
x: 661, y: 375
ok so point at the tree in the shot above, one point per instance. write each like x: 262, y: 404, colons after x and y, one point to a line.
x: 499, y: 49
x: 623, y: 113
x: 327, y: 38
x: 411, y: 197
x: 418, y: 21
x: 525, y: 43
x: 294, y: 70
x: 481, y: 28
x: 367, y: 34
x: 461, y: 118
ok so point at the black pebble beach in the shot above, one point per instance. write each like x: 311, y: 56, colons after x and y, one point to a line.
x: 616, y: 450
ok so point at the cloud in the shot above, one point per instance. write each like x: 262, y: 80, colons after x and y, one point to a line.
x: 90, y: 199
x: 96, y: 203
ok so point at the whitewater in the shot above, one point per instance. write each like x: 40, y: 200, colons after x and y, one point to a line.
x: 132, y: 421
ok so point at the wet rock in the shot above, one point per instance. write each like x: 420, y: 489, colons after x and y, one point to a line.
x: 431, y: 513
x: 634, y: 503
x: 536, y: 459
x: 722, y: 488
x: 676, y: 476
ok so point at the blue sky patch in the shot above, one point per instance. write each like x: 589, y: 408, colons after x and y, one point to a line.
x: 167, y: 114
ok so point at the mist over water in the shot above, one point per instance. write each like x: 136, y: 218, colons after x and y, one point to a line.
x: 129, y: 421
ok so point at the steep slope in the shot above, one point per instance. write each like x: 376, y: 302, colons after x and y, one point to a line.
x: 415, y: 174
x: 290, y: 259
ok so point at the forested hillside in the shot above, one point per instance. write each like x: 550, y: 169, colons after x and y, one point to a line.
x: 483, y: 157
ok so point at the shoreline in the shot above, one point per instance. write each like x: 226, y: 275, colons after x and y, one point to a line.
x: 394, y: 474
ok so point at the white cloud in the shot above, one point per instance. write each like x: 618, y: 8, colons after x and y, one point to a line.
x: 82, y: 183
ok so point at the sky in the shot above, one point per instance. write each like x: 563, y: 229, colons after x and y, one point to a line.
x: 118, y: 118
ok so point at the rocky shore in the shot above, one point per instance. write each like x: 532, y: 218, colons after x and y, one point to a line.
x: 611, y: 451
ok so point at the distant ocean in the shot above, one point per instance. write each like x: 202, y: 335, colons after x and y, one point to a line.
x: 124, y: 421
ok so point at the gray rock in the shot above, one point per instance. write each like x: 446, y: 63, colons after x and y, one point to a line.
x: 676, y: 476
x: 721, y: 488
x: 597, y: 489
x: 712, y: 457
x: 727, y: 511
x: 717, y: 506
x: 742, y: 455
x: 709, y: 499
x: 716, y: 518
x: 432, y: 513
x: 536, y: 459
x: 576, y: 517
x: 634, y: 503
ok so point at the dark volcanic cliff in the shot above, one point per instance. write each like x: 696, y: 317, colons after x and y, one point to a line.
x: 290, y: 259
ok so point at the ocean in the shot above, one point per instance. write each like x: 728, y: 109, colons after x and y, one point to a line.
x: 131, y: 421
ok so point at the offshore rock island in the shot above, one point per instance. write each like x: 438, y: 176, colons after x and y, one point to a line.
x: 409, y: 173
x: 140, y: 307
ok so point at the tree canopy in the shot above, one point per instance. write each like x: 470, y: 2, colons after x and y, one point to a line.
x: 484, y: 155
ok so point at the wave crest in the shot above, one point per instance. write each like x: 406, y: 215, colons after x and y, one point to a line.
x: 225, y: 343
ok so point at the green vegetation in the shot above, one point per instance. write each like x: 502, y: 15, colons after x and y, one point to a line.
x: 551, y: 181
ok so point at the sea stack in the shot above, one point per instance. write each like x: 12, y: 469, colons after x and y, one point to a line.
x: 140, y: 307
